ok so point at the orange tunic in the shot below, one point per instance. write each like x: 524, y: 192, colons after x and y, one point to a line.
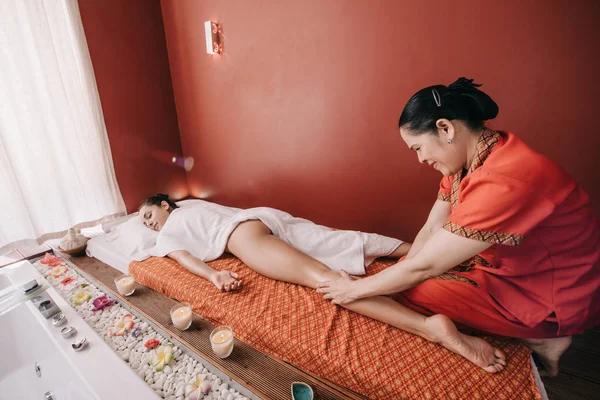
x: 541, y: 278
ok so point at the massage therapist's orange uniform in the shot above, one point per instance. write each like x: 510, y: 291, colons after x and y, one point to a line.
x: 541, y: 276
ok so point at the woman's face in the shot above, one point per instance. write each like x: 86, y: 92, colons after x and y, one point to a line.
x: 154, y: 217
x: 434, y: 149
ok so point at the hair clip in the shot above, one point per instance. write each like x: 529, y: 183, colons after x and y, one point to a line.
x: 436, y: 97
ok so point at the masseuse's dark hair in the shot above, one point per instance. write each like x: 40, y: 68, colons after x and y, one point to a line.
x: 156, y: 200
x: 460, y: 100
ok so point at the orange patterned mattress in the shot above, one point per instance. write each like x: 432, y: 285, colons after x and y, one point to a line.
x: 296, y: 325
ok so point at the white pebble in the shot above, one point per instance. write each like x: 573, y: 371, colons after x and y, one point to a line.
x: 190, y: 369
x: 125, y: 355
x: 161, y: 380
x: 217, y: 382
x: 179, y: 391
x: 149, y: 372
x: 149, y: 380
x: 135, y: 365
x: 230, y: 397
x: 156, y: 386
x: 159, y: 392
x: 168, y: 370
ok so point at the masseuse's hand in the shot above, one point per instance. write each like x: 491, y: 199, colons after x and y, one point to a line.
x: 225, y: 281
x: 340, y: 291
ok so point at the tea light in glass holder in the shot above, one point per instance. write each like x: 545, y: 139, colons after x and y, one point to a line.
x: 181, y: 316
x: 221, y: 340
x: 125, y: 284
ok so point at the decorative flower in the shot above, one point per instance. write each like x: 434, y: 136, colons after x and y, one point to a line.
x: 152, y: 343
x: 136, y: 332
x: 67, y: 280
x: 125, y: 324
x: 51, y: 260
x: 101, y: 303
x: 57, y: 272
x: 197, y: 387
x: 80, y: 296
x: 161, y: 356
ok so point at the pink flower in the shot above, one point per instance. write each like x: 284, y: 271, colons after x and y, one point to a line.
x: 51, y: 260
x: 151, y: 343
x: 67, y: 280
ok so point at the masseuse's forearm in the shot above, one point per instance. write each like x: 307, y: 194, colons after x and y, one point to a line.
x: 194, y: 265
x: 420, y: 240
x: 397, y: 278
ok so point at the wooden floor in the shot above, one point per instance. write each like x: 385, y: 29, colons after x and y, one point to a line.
x: 579, y: 378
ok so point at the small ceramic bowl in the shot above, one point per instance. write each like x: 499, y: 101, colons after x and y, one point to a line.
x: 301, y: 391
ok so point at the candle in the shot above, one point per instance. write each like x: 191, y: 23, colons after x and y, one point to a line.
x: 181, y: 316
x: 221, y: 340
x: 125, y: 284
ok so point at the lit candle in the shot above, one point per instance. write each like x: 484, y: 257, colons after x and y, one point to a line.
x: 181, y: 316
x: 221, y: 340
x: 125, y: 284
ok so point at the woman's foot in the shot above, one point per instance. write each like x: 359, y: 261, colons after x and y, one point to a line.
x: 548, y: 352
x: 443, y: 331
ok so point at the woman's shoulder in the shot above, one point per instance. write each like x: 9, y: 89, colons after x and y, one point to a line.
x: 512, y: 160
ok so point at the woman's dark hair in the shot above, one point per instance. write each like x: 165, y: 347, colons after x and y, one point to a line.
x: 156, y: 200
x: 460, y: 100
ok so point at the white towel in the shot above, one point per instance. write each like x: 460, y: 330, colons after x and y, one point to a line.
x: 203, y: 230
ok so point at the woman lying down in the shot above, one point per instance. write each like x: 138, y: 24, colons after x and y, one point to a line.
x: 294, y: 250
x: 269, y: 241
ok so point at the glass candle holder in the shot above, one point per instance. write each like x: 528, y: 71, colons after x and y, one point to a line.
x: 181, y: 316
x: 125, y: 284
x: 221, y: 340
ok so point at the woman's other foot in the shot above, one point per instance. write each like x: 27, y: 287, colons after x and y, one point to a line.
x: 443, y: 331
x: 548, y: 352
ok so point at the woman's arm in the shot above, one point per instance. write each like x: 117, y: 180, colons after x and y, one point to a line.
x: 437, y: 216
x: 443, y: 251
x: 223, y: 280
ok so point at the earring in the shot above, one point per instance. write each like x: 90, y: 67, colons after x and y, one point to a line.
x: 449, y: 141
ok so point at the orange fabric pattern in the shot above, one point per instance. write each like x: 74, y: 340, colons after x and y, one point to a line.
x: 294, y: 324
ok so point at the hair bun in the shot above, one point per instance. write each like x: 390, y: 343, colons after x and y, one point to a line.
x: 481, y: 106
x: 462, y: 83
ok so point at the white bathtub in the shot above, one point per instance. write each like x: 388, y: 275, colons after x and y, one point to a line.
x: 27, y: 338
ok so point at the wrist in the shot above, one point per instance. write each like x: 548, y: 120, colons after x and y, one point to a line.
x: 358, y: 289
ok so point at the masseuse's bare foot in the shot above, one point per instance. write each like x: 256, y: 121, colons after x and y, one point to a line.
x: 548, y: 352
x: 443, y: 331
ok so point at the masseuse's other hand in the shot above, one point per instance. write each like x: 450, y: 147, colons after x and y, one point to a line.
x: 226, y: 281
x: 339, y: 291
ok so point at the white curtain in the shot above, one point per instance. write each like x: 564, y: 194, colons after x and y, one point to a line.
x: 56, y: 167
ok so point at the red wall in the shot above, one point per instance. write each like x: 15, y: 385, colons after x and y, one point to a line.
x: 126, y: 41
x: 301, y: 111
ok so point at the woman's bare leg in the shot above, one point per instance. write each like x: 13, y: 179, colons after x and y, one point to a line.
x: 401, y: 251
x: 253, y: 243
